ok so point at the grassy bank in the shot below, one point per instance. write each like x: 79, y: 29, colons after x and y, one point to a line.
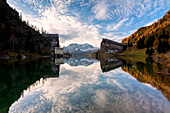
x: 11, y: 57
x: 133, y: 54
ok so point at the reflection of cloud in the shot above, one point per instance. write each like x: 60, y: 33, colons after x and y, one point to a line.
x: 112, y: 81
x: 71, y: 79
x: 149, y: 86
x: 87, y: 89
x: 100, y: 98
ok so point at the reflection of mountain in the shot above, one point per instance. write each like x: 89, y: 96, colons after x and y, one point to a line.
x: 76, y: 61
x: 108, y: 64
x: 147, y: 73
x: 17, y: 77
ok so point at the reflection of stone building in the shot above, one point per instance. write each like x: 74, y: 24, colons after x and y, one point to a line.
x: 59, y: 61
x: 56, y: 69
x: 55, y: 66
x: 109, y: 64
x: 109, y: 46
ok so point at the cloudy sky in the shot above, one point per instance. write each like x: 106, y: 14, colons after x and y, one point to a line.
x: 88, y: 21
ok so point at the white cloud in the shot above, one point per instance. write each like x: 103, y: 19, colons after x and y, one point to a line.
x: 130, y: 22
x: 132, y: 31
x: 120, y: 9
x: 100, y: 10
x: 113, y: 36
x: 98, y: 26
x: 114, y: 27
x: 56, y: 19
x: 150, y: 23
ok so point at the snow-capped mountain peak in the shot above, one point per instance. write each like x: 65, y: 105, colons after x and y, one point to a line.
x: 80, y: 49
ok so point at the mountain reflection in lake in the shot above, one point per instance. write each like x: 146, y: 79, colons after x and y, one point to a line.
x: 61, y: 86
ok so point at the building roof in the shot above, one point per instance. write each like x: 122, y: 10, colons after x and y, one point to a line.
x: 58, y: 48
x: 50, y: 35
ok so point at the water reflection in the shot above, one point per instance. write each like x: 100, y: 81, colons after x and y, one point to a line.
x: 14, y: 78
x: 77, y: 61
x: 148, y: 73
x: 83, y: 87
x: 109, y: 64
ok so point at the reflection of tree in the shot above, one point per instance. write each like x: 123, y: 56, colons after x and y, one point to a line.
x: 147, y: 73
x: 149, y: 67
x: 140, y: 67
x: 13, y: 41
x: 14, y: 78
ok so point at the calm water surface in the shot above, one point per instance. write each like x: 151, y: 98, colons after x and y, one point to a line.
x: 81, y: 85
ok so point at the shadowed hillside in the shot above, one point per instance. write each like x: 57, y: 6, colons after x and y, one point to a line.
x: 16, y: 35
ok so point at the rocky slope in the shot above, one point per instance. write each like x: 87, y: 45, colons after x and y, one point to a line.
x: 109, y: 46
x: 16, y: 35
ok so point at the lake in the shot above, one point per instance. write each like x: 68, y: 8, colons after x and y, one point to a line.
x: 83, y: 85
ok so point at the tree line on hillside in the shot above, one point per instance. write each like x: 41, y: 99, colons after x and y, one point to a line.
x: 18, y: 35
x: 159, y: 39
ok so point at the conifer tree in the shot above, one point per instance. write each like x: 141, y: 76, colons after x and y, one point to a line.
x: 147, y: 51
x: 150, y: 51
x: 160, y: 47
x: 166, y: 46
x: 140, y: 43
x: 167, y: 35
x: 150, y: 40
x: 130, y: 43
x: 163, y: 46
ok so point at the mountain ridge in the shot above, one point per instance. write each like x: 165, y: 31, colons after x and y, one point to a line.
x: 156, y: 28
x: 80, y: 49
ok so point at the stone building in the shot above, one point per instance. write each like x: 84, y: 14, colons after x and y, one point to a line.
x: 108, y: 46
x: 54, y: 39
x: 59, y: 52
x: 55, y: 45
